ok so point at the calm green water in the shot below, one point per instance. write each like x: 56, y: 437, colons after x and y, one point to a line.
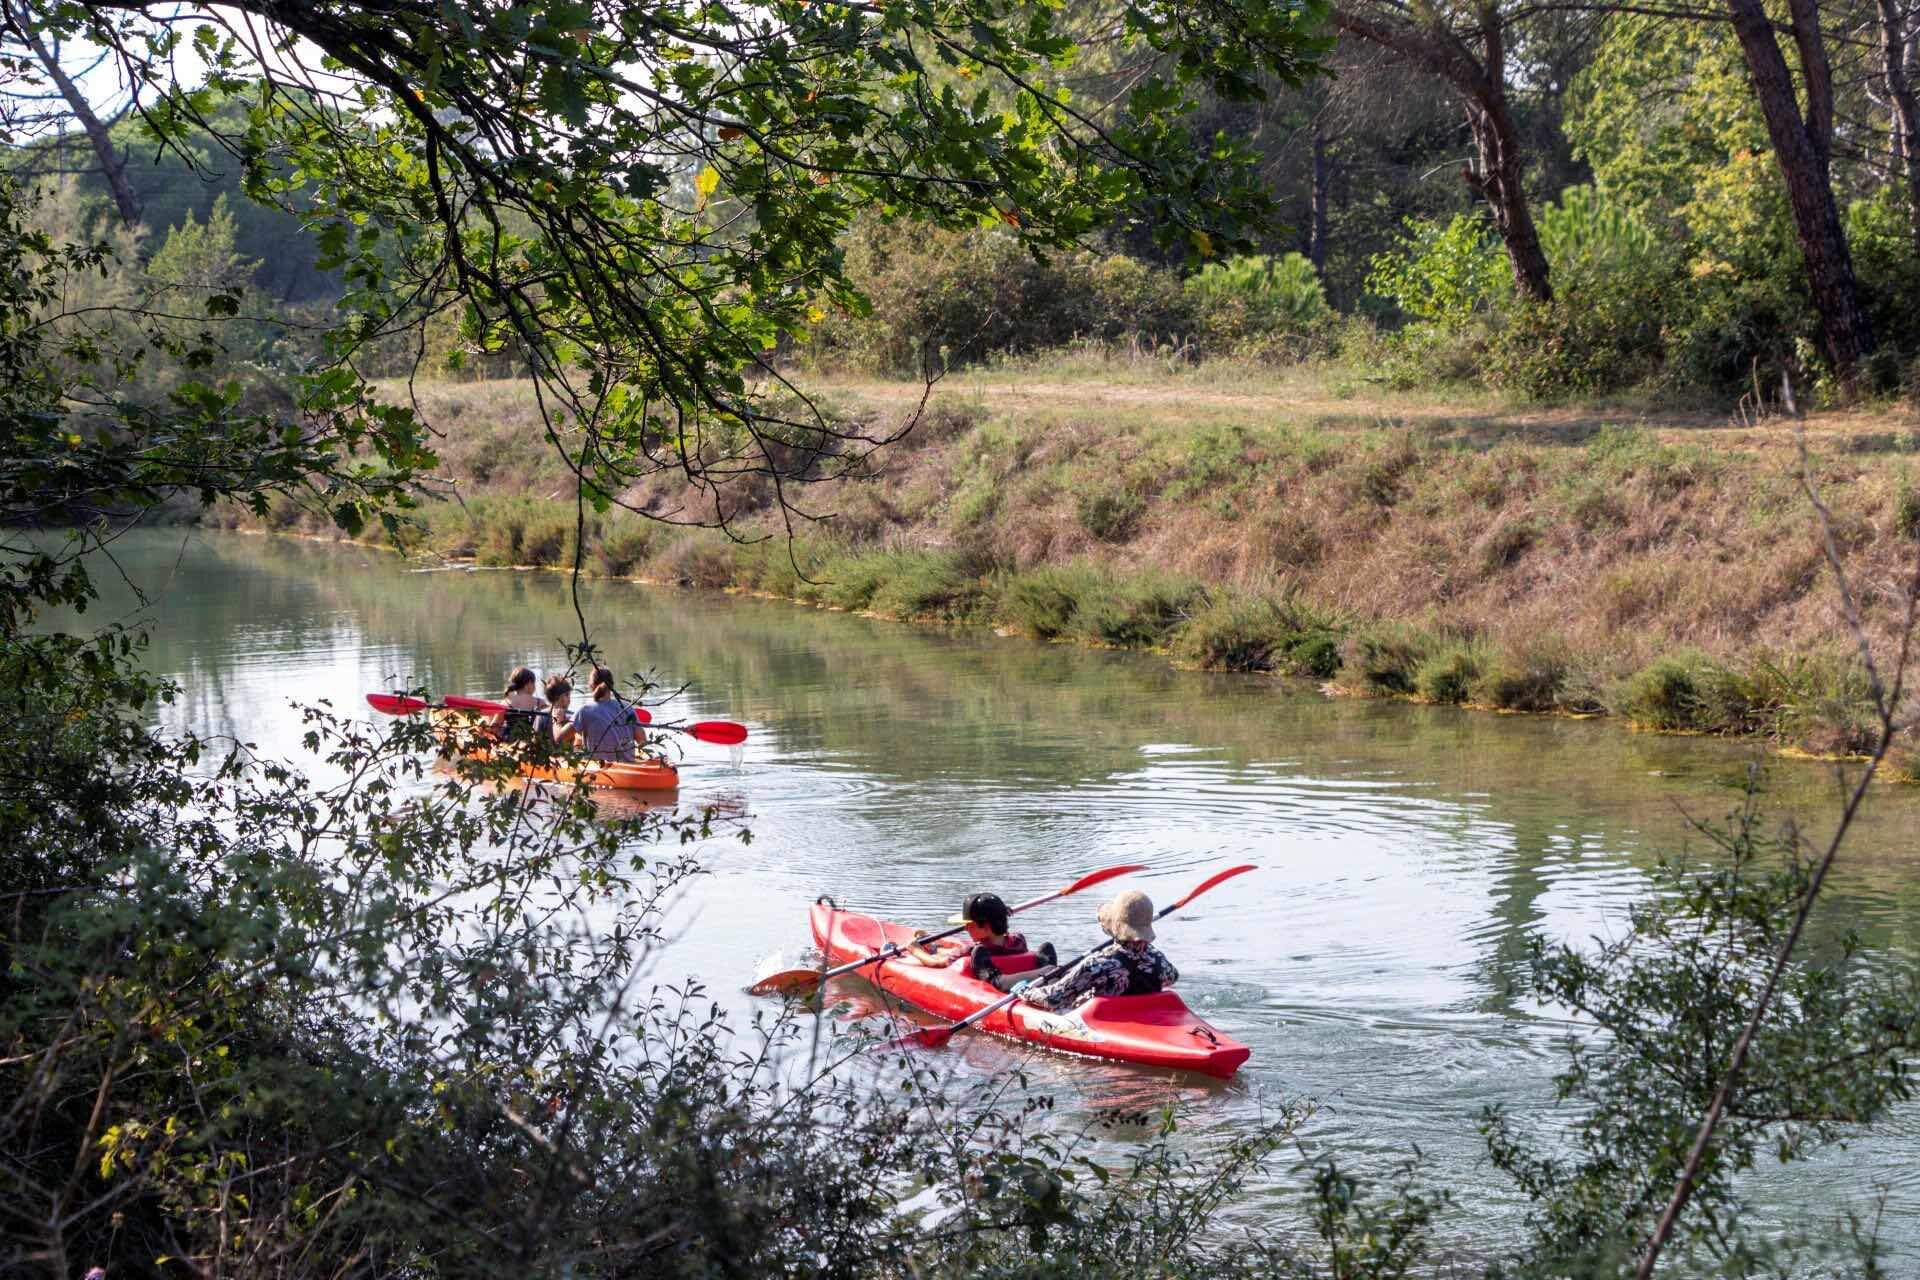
x: 1406, y: 853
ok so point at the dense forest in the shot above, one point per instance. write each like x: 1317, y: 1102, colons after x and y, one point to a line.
x: 350, y: 1016
x: 1552, y: 203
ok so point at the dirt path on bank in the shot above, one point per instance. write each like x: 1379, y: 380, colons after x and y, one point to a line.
x: 1476, y: 420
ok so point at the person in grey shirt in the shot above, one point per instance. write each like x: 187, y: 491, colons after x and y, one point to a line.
x: 606, y: 726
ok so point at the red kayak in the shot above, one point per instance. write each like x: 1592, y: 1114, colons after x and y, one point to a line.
x: 1155, y: 1031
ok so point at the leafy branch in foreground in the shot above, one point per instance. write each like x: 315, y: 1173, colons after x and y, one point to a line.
x: 647, y: 200
x: 1665, y: 1002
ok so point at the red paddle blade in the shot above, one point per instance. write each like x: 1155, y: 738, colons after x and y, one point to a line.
x: 723, y: 732
x: 786, y: 982
x: 927, y: 1038
x: 641, y: 714
x: 1208, y: 883
x: 473, y: 704
x: 1098, y: 877
x: 395, y: 705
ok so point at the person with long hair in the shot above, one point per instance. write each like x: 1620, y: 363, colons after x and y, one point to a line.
x: 606, y: 727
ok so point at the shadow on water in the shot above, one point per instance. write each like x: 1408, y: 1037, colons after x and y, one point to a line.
x: 1408, y: 854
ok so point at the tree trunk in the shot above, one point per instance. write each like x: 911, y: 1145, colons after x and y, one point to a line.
x: 1906, y: 108
x: 1499, y: 172
x: 1801, y: 155
x: 113, y: 166
x: 1317, y: 222
x: 1496, y: 176
x: 1481, y: 83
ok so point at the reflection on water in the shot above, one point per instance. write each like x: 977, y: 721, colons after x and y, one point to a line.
x: 1407, y: 854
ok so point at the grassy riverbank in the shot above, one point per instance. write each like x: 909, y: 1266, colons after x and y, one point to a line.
x: 1662, y: 567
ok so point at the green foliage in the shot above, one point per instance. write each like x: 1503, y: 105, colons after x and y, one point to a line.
x: 1384, y: 658
x: 947, y: 298
x: 1111, y: 515
x: 1286, y: 636
x: 926, y: 585
x: 1140, y: 612
x: 1676, y: 987
x: 638, y: 269
x: 1044, y: 601
x: 1528, y: 677
x: 1598, y: 334
x: 1450, y: 673
x: 1906, y: 509
x: 1585, y: 233
x: 522, y: 531
x: 1443, y: 274
x: 1245, y: 296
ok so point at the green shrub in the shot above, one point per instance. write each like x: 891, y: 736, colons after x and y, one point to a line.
x: 849, y: 580
x: 1384, y: 658
x: 1446, y: 274
x: 975, y: 504
x: 697, y: 560
x: 1316, y: 653
x: 1528, y: 678
x: 1139, y: 613
x: 1111, y: 515
x: 947, y: 298
x: 1249, y: 297
x: 1244, y: 634
x: 622, y: 546
x: 1042, y: 602
x: 1906, y: 509
x: 1507, y: 542
x: 1214, y: 459
x: 1449, y: 673
x: 921, y: 584
x: 1598, y: 334
x: 1663, y: 695
x: 1585, y: 232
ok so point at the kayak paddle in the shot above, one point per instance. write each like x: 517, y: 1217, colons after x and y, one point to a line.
x: 794, y: 981
x: 724, y: 733
x: 395, y: 705
x: 460, y: 702
x: 934, y: 1037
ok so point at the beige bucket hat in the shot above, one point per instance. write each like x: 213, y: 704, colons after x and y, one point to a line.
x: 1128, y: 917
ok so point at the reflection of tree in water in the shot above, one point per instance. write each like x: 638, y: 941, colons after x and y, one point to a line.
x: 1522, y: 880
x: 1875, y: 907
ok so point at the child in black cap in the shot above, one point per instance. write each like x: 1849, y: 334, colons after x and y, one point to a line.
x: 986, y: 919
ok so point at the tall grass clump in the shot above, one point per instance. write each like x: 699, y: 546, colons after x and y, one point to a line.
x: 1140, y: 613
x: 1287, y: 636
x: 1691, y: 693
x: 1526, y: 677
x: 701, y: 559
x: 1043, y: 602
x: 620, y: 546
x: 1384, y: 658
x: 1111, y: 515
x: 926, y: 584
x: 522, y: 531
x: 1450, y: 672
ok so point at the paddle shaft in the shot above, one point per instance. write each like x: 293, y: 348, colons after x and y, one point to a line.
x: 933, y: 1037
x: 893, y: 949
x: 725, y: 733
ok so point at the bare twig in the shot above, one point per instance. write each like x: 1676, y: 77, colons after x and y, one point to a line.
x: 1888, y: 692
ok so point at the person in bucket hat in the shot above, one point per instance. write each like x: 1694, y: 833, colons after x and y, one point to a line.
x: 1128, y: 965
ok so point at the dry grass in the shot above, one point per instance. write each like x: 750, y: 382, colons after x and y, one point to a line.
x: 1522, y: 558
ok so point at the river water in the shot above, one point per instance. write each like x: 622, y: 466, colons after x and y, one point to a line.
x: 1406, y: 854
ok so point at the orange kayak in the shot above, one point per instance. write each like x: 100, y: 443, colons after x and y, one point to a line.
x: 1155, y: 1031
x: 652, y: 774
